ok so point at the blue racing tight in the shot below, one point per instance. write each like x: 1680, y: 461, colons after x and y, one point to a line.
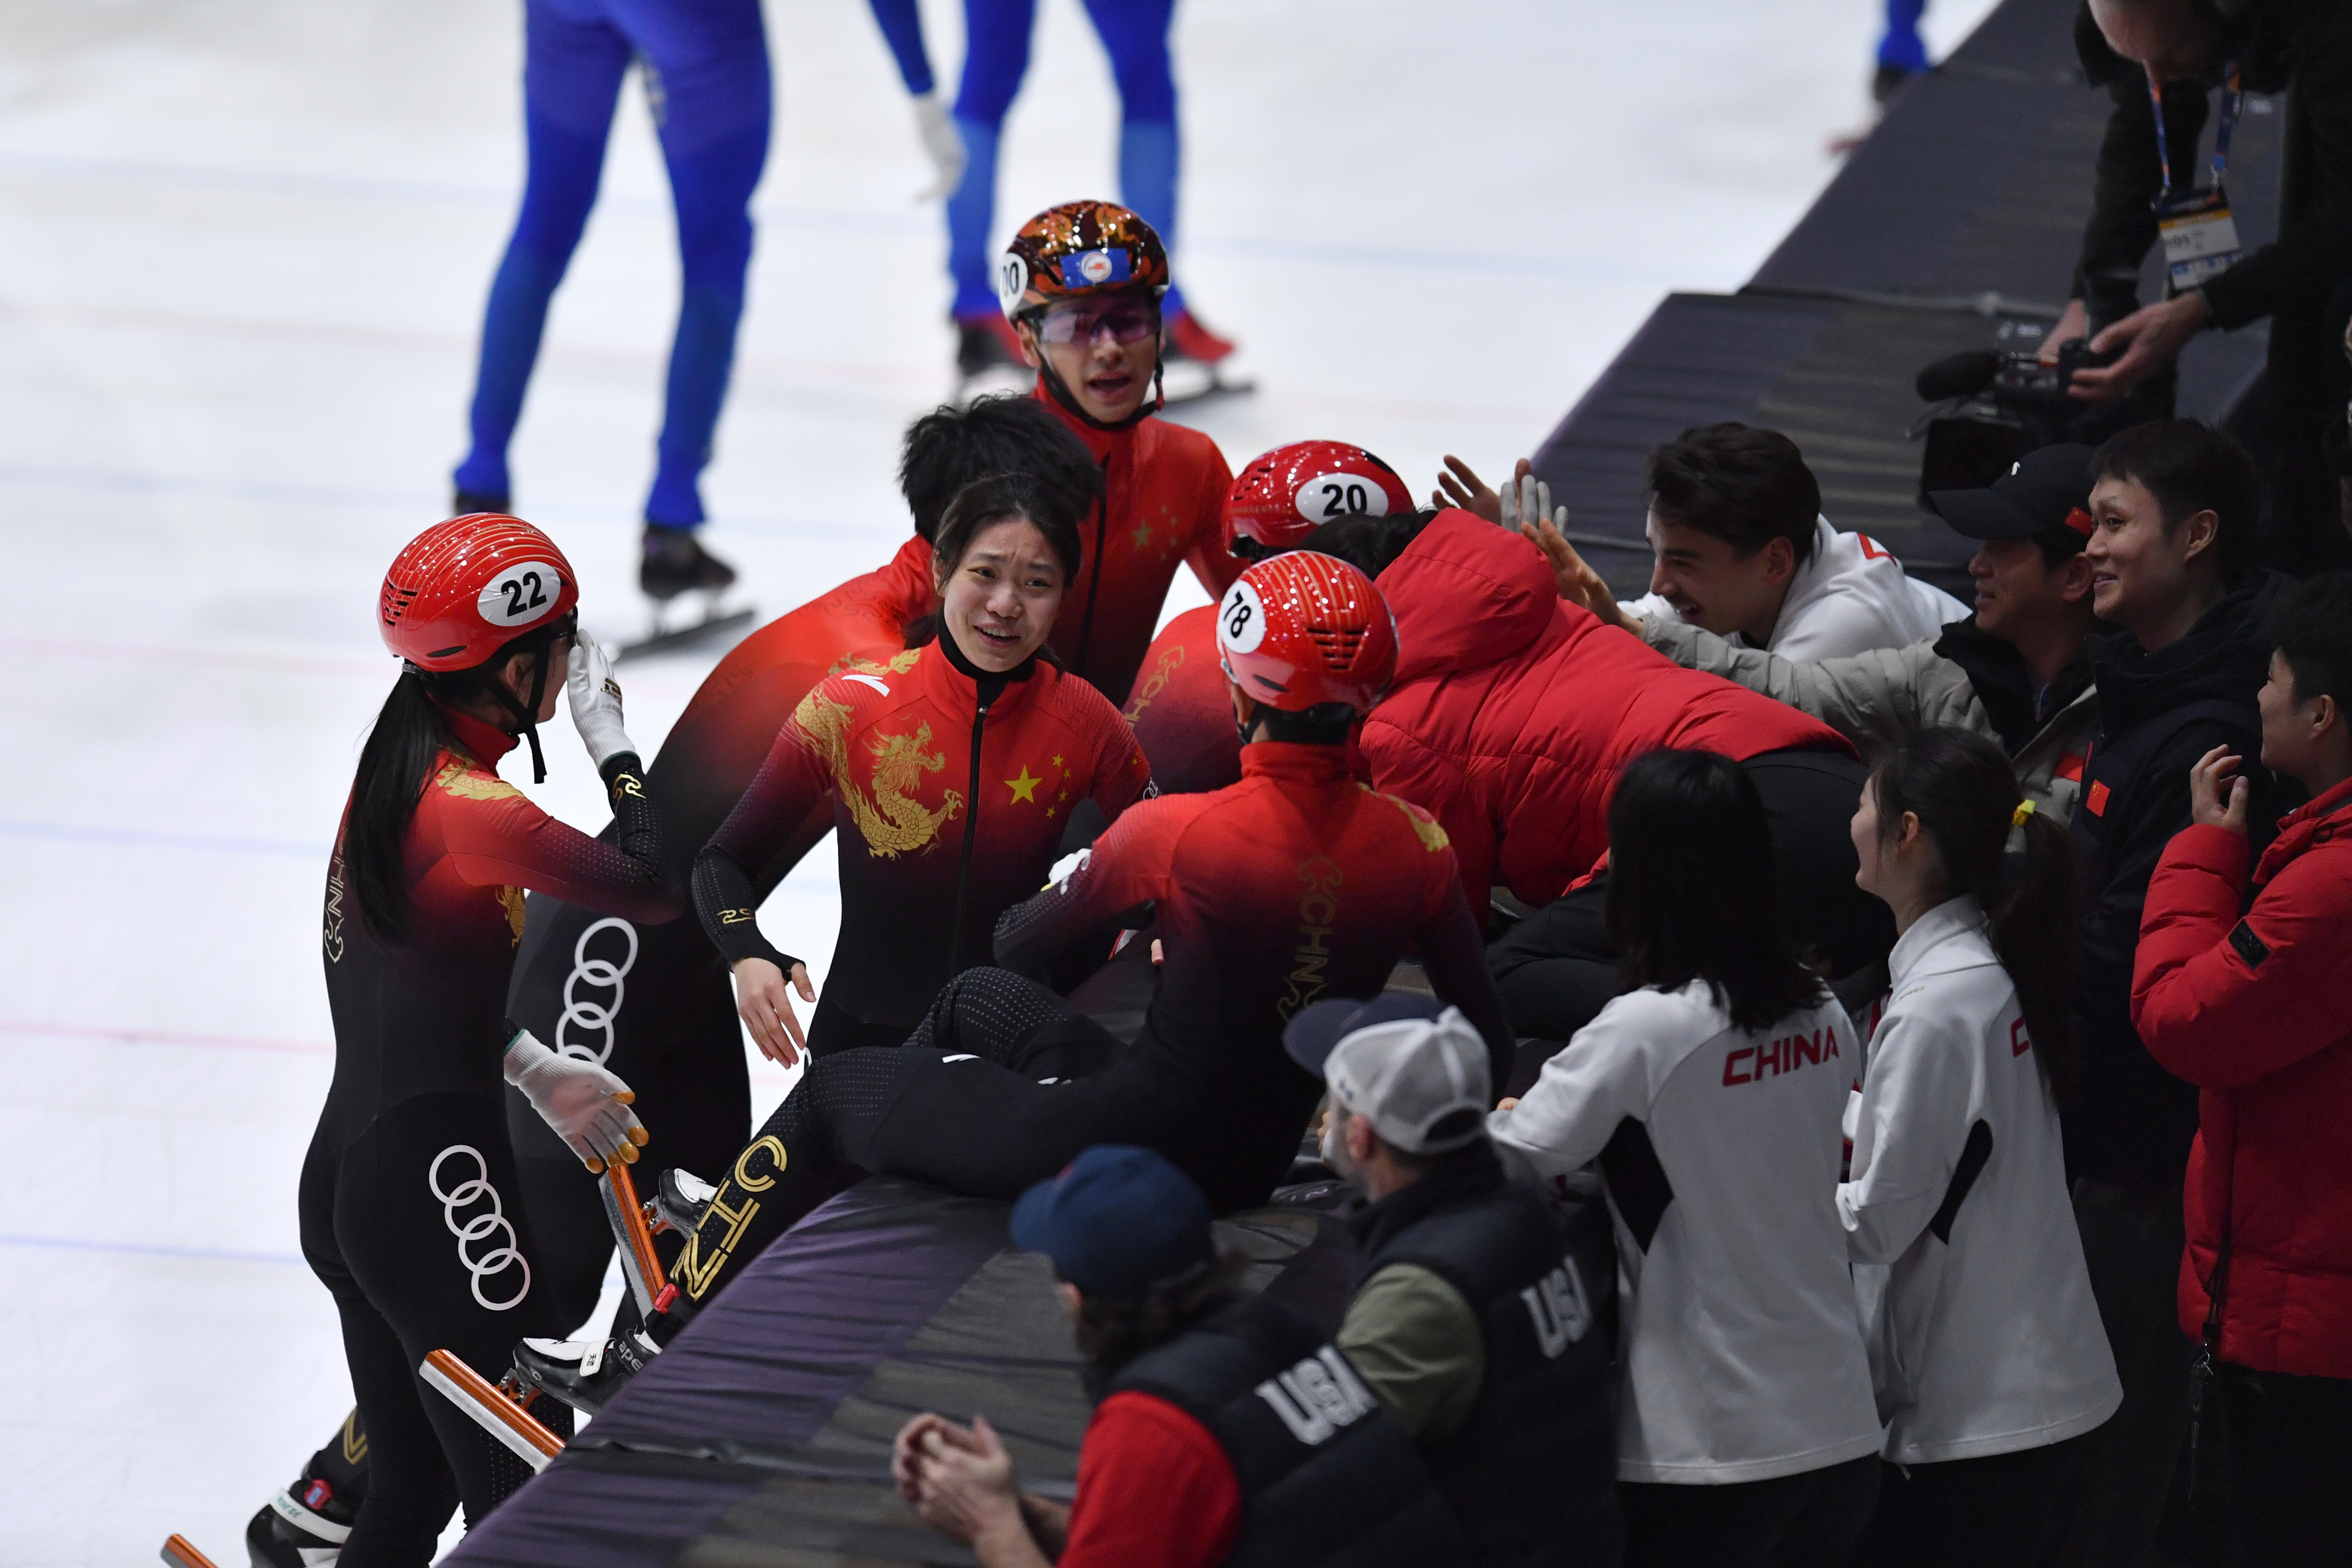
x: 1134, y: 33
x: 707, y: 76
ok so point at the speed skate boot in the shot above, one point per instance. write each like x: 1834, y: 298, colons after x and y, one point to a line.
x: 305, y: 1525
x: 585, y: 1373
x: 681, y: 1200
x: 675, y: 562
x: 1188, y: 338
x: 985, y: 342
x: 464, y: 503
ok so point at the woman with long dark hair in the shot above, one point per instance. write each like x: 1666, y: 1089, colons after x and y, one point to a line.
x: 1989, y: 1356
x: 1709, y: 1089
x: 952, y: 769
x: 411, y: 1214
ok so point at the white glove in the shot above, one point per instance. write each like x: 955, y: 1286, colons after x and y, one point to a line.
x: 1528, y: 500
x: 588, y: 1107
x: 943, y: 142
x: 1068, y: 865
x: 595, y: 701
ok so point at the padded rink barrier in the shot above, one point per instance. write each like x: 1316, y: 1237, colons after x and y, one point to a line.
x: 1967, y: 205
x: 763, y: 1436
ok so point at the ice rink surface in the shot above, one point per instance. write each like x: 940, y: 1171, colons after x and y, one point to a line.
x: 243, y: 245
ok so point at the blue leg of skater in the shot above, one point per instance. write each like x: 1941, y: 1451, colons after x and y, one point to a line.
x: 996, y: 57
x: 572, y: 77
x: 707, y: 71
x: 1901, y: 47
x: 1134, y: 34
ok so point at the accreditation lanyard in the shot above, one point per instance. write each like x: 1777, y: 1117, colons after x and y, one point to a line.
x: 2200, y: 238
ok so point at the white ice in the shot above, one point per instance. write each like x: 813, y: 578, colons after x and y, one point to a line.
x: 243, y: 250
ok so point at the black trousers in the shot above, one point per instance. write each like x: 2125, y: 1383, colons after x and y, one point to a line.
x: 1000, y: 1086
x: 1558, y: 968
x: 1963, y: 1513
x: 2132, y: 1238
x: 2287, y: 1458
x: 416, y: 1229
x: 1806, y: 1520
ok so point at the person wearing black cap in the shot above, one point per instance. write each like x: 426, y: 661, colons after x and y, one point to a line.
x: 2013, y: 670
x: 1484, y: 1324
x: 1228, y: 1429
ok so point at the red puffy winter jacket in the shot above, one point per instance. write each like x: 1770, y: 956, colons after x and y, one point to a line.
x: 2252, y: 1011
x: 1513, y: 713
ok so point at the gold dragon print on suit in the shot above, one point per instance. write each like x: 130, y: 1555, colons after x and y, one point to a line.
x: 890, y: 819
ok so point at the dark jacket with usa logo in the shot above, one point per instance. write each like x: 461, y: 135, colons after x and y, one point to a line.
x: 2130, y: 1121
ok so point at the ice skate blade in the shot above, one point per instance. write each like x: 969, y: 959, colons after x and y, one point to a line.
x: 713, y: 626
x: 1188, y: 382
x: 179, y: 1552
x: 997, y: 380
x: 490, y: 1408
x: 640, y: 1264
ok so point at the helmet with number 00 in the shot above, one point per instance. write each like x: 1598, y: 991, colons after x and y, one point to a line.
x: 465, y: 588
x: 1289, y: 492
x: 1304, y: 630
x: 1077, y: 250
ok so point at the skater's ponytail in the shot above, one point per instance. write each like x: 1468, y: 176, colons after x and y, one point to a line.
x: 1965, y: 794
x: 396, y: 759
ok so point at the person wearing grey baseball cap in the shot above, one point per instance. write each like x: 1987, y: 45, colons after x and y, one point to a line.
x: 1228, y: 1429
x: 2015, y: 670
x: 1485, y: 1322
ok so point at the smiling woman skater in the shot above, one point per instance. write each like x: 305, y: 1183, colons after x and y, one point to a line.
x: 916, y: 751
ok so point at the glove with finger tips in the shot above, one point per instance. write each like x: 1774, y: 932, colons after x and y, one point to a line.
x: 595, y: 699
x: 587, y: 1106
x: 944, y: 144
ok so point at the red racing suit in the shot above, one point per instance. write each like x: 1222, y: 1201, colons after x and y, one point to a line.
x: 1179, y: 711
x: 2247, y: 1003
x: 1163, y: 502
x: 1295, y: 884
x: 948, y: 811
x: 1514, y: 712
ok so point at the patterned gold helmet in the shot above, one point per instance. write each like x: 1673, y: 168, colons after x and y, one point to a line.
x: 1079, y: 249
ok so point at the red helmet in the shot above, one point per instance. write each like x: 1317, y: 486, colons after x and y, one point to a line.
x: 1076, y: 250
x: 1303, y: 630
x: 465, y: 588
x: 1285, y: 495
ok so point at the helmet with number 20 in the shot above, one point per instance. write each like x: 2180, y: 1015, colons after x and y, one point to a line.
x: 465, y: 588
x: 1288, y: 493
x: 1303, y: 631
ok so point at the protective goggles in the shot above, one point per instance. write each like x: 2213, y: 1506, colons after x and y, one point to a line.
x: 1085, y: 320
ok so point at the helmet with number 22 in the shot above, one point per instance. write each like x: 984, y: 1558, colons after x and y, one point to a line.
x: 465, y: 588
x: 1288, y: 493
x: 1303, y: 631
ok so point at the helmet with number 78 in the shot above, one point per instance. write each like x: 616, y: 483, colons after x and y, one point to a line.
x: 465, y: 588
x: 1287, y: 494
x: 1303, y: 631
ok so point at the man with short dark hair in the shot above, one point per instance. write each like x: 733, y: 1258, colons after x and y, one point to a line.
x: 2176, y: 52
x: 1227, y: 1431
x: 2173, y: 504
x: 1484, y: 1324
x: 2014, y: 671
x: 1740, y: 548
x: 2247, y: 1002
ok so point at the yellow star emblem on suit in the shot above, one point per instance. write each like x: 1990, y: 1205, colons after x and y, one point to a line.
x: 1143, y: 535
x: 1024, y: 787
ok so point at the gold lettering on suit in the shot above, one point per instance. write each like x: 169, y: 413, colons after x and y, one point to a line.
x: 700, y: 1265
x: 1318, y: 910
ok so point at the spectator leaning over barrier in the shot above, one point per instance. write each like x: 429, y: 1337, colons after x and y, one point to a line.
x: 1484, y: 1324
x: 2015, y: 670
x: 2251, y: 1007
x: 1738, y: 546
x: 2151, y: 182
x: 1987, y: 1350
x: 1710, y: 1093
x: 1229, y: 1429
x: 2171, y: 555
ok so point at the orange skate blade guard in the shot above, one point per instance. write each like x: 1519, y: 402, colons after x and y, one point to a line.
x: 491, y: 1409
x: 180, y: 1553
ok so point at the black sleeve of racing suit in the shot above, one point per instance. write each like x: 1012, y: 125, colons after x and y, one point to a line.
x: 1079, y: 909
x: 1454, y: 956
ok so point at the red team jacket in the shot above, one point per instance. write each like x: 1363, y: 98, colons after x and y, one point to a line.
x: 2251, y: 1010
x: 1179, y: 710
x: 1513, y: 713
x: 890, y: 745
x: 1163, y: 502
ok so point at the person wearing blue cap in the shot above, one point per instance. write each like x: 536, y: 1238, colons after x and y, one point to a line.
x: 1484, y: 1324
x: 1228, y: 1429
